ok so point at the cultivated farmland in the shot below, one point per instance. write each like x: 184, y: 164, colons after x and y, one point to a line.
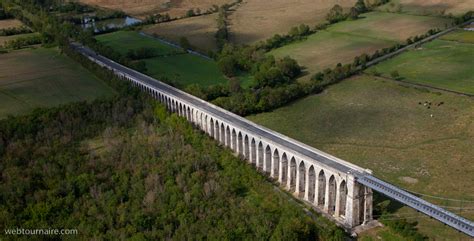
x: 386, y: 127
x: 430, y: 7
x: 10, y: 23
x: 44, y: 78
x: 177, y: 66
x: 199, y: 31
x: 345, y: 40
x: 142, y: 8
x: 445, y: 64
x: 255, y: 20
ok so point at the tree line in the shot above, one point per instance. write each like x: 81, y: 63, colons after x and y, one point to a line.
x: 14, y: 31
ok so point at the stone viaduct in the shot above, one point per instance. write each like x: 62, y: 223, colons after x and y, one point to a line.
x: 333, y: 186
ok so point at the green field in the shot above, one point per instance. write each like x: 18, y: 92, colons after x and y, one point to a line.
x: 380, y: 125
x: 180, y: 68
x: 442, y: 64
x: 460, y: 35
x: 123, y: 41
x: 343, y: 41
x: 44, y: 78
x: 185, y: 69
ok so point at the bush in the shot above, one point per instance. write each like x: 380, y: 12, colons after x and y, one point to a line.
x: 394, y: 74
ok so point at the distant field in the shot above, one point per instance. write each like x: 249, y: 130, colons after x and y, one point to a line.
x: 430, y: 7
x: 123, y: 41
x: 443, y: 64
x: 44, y: 78
x: 343, y: 41
x: 390, y: 26
x: 142, y: 8
x: 460, y: 36
x: 199, y: 31
x: 256, y: 20
x: 186, y: 69
x: 181, y: 68
x: 325, y: 49
x: 380, y: 125
x: 10, y: 23
x: 4, y: 39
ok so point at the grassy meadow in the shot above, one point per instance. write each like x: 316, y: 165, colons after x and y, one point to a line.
x: 185, y: 69
x: 43, y: 78
x: 445, y: 64
x: 429, y: 7
x: 123, y: 41
x: 381, y: 125
x: 254, y: 20
x: 179, y: 67
x: 343, y: 41
x: 460, y: 35
x: 199, y: 31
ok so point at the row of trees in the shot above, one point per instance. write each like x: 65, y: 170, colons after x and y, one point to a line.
x: 222, y: 33
x: 14, y: 31
x: 73, y: 7
x: 23, y: 42
x: 337, y: 14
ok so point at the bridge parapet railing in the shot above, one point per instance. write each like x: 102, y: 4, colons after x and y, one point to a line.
x: 449, y: 218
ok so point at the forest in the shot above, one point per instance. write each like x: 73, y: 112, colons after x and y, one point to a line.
x: 124, y: 168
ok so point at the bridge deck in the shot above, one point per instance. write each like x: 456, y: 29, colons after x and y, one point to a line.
x: 363, y: 177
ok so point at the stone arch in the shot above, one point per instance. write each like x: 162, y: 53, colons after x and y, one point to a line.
x: 332, y: 190
x: 222, y: 134
x: 180, y: 109
x: 188, y: 116
x: 302, y: 178
x: 234, y: 141
x: 342, y: 198
x: 292, y: 176
x: 227, y: 136
x: 321, y: 188
x: 216, y: 131
x: 246, y: 147
x: 268, y: 159
x: 260, y: 156
x: 311, y: 183
x: 201, y: 120
x: 211, y: 129
x: 284, y: 169
x: 240, y: 144
x: 205, y: 124
x: 276, y: 164
x: 253, y: 150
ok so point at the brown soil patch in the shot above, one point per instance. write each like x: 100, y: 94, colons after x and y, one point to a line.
x: 10, y: 23
x: 256, y: 20
x: 142, y: 8
x: 198, y: 30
